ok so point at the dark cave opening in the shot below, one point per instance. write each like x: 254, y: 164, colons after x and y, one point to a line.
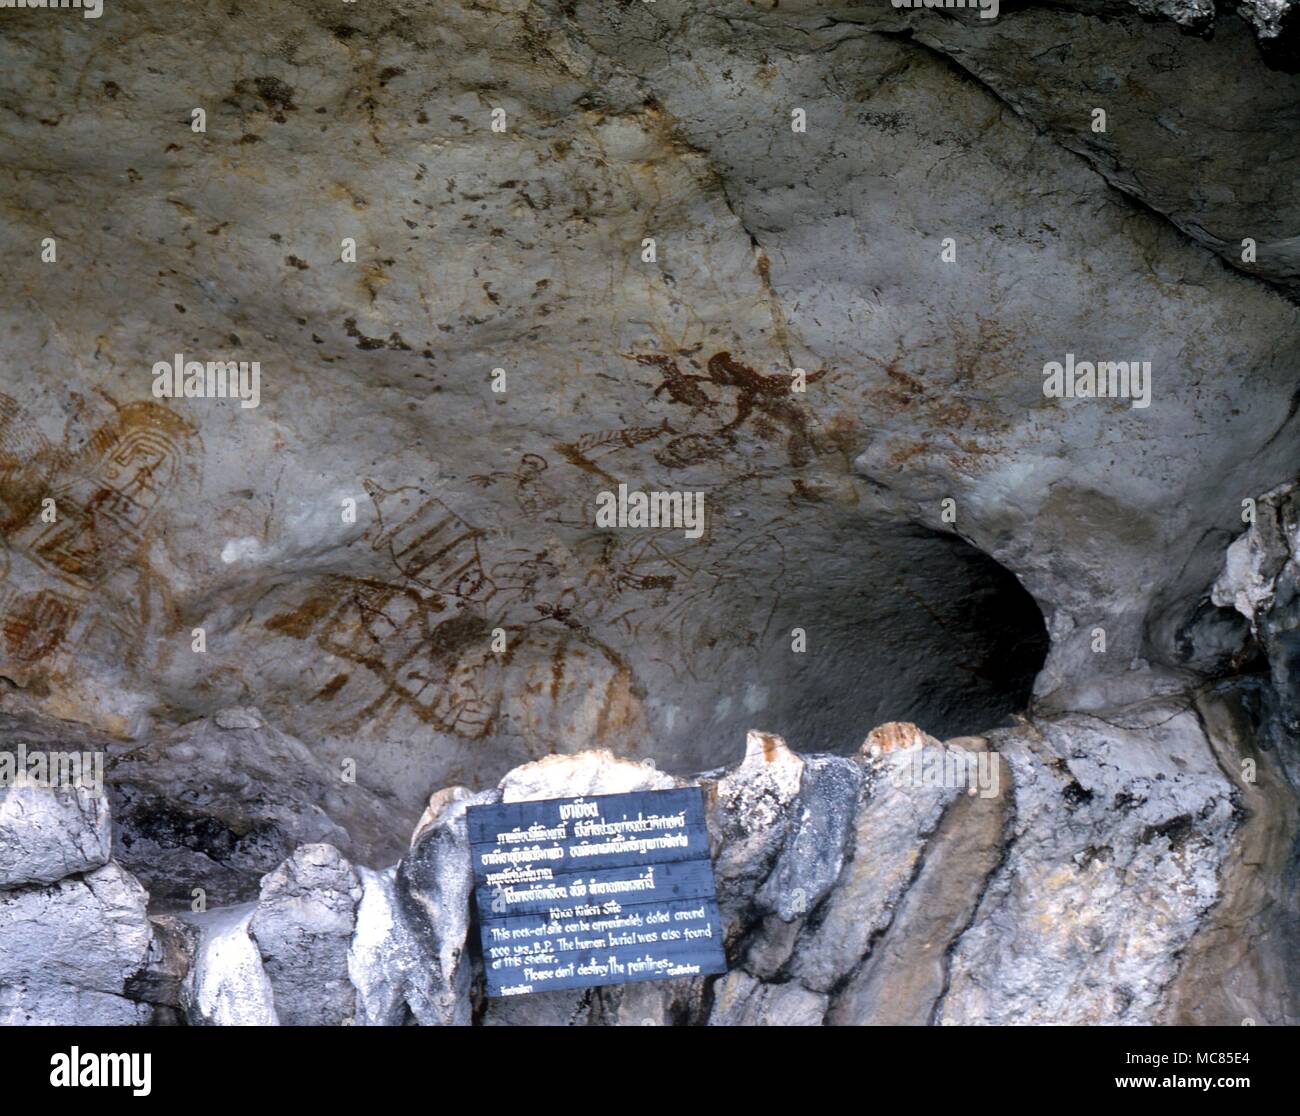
x: 997, y: 608
x: 939, y: 634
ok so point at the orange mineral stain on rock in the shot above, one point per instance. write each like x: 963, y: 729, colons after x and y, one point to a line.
x: 893, y: 735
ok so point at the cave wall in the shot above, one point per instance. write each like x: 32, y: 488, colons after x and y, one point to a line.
x: 521, y: 250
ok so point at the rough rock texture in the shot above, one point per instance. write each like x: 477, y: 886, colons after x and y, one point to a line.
x: 303, y: 926
x: 1118, y: 835
x: 370, y: 635
x: 1193, y: 129
x: 747, y: 822
x: 1133, y: 869
x: 813, y: 852
x: 222, y: 801
x: 1248, y: 952
x: 49, y: 833
x: 434, y: 882
x: 906, y: 974
x: 74, y: 929
x: 227, y: 985
x: 1276, y: 24
x: 387, y: 963
x: 161, y: 982
x: 741, y: 1001
x: 1261, y: 580
x: 890, y: 830
x: 1071, y: 895
x: 67, y: 950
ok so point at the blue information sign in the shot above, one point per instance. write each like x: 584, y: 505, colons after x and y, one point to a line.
x: 578, y: 892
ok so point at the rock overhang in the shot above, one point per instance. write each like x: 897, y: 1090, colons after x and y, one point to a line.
x: 522, y: 250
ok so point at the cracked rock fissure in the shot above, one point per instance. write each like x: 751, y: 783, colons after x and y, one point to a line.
x: 805, y: 268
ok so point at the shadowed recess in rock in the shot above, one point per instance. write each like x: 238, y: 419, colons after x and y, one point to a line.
x: 950, y: 640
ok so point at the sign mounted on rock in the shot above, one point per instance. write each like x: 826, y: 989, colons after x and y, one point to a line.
x: 579, y: 892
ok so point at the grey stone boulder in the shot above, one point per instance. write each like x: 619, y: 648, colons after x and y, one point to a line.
x: 1096, y: 878
x: 47, y: 833
x: 1112, y: 865
x: 749, y: 811
x: 1256, y: 560
x: 38, y: 1004
x: 433, y: 887
x: 809, y: 863
x: 582, y: 773
x: 399, y: 958
x: 1191, y: 15
x: 813, y: 852
x: 303, y: 927
x: 380, y: 954
x: 906, y: 971
x: 1276, y: 24
x: 1244, y: 961
x: 894, y: 820
x: 69, y: 949
x: 227, y: 985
